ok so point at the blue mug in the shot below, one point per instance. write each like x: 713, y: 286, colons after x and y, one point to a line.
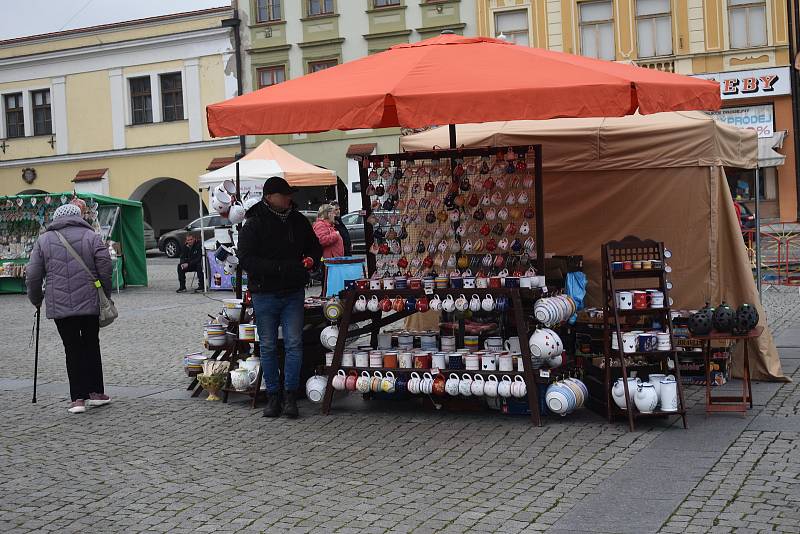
x: 455, y: 361
x: 411, y: 304
x: 349, y: 284
x: 456, y: 282
x: 501, y: 303
x: 512, y: 281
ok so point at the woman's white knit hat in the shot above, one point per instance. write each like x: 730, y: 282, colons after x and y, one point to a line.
x: 67, y: 210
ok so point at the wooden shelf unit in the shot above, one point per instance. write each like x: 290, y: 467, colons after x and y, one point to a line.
x: 629, y: 249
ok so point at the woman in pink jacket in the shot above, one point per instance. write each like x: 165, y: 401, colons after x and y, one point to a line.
x: 329, y: 237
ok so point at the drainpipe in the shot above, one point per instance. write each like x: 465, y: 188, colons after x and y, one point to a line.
x: 793, y: 22
x: 235, y: 23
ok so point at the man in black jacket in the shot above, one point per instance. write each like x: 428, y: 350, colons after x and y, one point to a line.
x: 191, y: 261
x: 277, y: 247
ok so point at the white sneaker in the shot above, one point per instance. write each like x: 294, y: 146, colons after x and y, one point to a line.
x: 97, y: 399
x: 77, y: 406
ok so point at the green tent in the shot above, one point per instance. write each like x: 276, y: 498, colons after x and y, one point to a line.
x: 125, y: 221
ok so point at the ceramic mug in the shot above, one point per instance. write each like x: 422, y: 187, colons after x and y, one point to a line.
x: 360, y: 304
x: 489, y: 362
x: 338, y: 381
x: 413, y: 385
x: 375, y: 284
x: 625, y: 300
x: 477, y: 386
x: 490, y: 386
x: 449, y: 304
x: 504, y: 387
x: 512, y: 344
x: 519, y: 389
x: 452, y: 386
x: 493, y: 343
x: 384, y: 341
x: 373, y: 304
x: 405, y: 360
x: 487, y: 304
x: 388, y: 283
x: 363, y: 382
x: 361, y: 359
x: 448, y: 343
x: 348, y: 359
x: 505, y: 363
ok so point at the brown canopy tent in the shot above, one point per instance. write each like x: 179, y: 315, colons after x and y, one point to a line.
x: 656, y: 176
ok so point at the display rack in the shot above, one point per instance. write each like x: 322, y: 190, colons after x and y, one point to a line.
x: 516, y: 296
x: 632, y: 249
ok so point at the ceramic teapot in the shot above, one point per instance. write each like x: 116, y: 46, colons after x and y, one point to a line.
x: 618, y: 392
x: 646, y: 398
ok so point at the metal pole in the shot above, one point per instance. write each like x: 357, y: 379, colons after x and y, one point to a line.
x: 202, y: 240
x: 758, y: 231
x: 238, y: 228
x: 793, y: 21
x: 452, y: 130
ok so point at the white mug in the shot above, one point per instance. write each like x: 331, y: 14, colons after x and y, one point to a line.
x: 505, y: 363
x: 375, y: 284
x: 405, y: 360
x: 490, y: 387
x: 476, y: 388
x: 625, y: 300
x: 493, y: 343
x: 448, y: 343
x: 465, y: 385
x: 361, y: 304
x: 348, y: 359
x: 448, y: 304
x: 475, y: 303
x: 362, y: 359
x: 504, y: 387
x: 488, y: 303
x: 435, y: 303
x: 374, y: 304
x: 488, y: 362
x: 384, y: 341
x: 512, y: 344
x: 462, y: 304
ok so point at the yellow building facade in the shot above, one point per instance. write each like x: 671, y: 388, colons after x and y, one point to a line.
x: 743, y: 44
x: 117, y: 109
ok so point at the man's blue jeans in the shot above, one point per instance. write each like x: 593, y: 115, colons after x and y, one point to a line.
x: 287, y: 311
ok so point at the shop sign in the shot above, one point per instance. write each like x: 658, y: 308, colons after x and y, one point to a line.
x: 761, y: 118
x: 751, y: 83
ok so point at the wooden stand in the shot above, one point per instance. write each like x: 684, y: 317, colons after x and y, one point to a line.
x: 729, y: 403
x: 634, y: 249
x: 515, y: 296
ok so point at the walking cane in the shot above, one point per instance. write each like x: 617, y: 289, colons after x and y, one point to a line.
x: 36, y: 355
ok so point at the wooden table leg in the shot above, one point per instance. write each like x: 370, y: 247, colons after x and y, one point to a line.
x: 746, y: 374
x: 193, y: 384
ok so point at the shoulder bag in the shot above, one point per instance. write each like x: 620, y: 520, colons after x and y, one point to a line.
x: 108, y: 312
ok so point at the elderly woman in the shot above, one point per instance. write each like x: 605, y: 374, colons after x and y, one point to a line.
x: 71, y: 298
x: 329, y: 237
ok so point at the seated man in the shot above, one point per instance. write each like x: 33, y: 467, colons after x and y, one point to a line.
x: 191, y: 262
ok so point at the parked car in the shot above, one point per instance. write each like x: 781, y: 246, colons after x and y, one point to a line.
x: 149, y: 237
x: 354, y: 222
x: 171, y: 243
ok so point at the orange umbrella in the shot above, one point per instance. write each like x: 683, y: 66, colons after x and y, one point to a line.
x: 453, y: 79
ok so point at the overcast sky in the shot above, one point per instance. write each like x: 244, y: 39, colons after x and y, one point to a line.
x: 31, y: 17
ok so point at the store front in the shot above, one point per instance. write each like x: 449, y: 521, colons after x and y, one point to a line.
x: 760, y: 100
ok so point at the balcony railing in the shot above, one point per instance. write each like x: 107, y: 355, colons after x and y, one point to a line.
x: 666, y: 65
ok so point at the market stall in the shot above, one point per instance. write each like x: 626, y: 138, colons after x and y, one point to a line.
x: 659, y: 176
x: 24, y: 217
x: 245, y: 178
x: 442, y: 81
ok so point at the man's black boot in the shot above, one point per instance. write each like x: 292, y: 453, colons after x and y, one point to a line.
x: 273, y: 408
x: 290, y: 406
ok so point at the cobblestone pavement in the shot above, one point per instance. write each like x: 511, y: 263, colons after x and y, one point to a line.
x: 168, y: 464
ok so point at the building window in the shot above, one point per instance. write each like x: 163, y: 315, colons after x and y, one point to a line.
x: 320, y: 7
x: 271, y: 75
x: 386, y: 3
x: 42, y: 120
x: 268, y: 10
x: 15, y: 118
x: 513, y: 25
x: 654, y: 28
x: 316, y: 66
x: 141, y: 100
x: 597, y: 29
x: 171, y: 97
x: 747, y: 21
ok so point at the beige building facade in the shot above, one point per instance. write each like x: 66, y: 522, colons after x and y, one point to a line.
x: 117, y: 109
